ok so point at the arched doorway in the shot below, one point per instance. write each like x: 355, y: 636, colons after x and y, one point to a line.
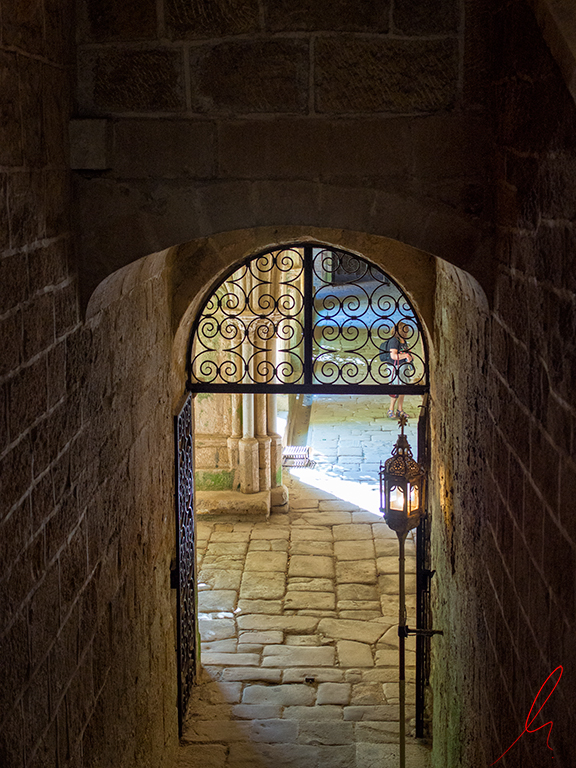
x: 303, y: 318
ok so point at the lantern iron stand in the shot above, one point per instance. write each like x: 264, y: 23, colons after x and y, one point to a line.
x: 402, y: 483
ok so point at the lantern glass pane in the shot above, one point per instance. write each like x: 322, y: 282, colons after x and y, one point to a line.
x: 396, y: 498
x: 414, y: 497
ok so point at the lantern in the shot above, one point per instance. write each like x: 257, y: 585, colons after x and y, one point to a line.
x: 402, y: 487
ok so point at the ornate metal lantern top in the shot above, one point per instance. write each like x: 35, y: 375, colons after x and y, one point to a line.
x: 307, y: 318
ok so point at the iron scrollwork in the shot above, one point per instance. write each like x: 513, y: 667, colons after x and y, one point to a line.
x: 307, y: 316
x: 185, y: 557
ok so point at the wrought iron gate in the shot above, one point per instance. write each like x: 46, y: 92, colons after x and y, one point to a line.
x: 185, y: 573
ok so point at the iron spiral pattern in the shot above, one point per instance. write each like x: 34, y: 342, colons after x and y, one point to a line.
x: 186, y: 555
x: 252, y: 328
x: 357, y: 311
x: 307, y: 315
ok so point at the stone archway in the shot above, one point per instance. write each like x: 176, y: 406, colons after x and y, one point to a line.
x: 312, y: 272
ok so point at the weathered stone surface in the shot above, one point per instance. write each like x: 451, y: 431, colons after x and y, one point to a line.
x: 284, y: 623
x: 269, y: 532
x: 260, y: 606
x: 284, y: 695
x: 346, y: 629
x: 211, y: 19
x: 266, y: 561
x: 381, y: 712
x: 319, y: 674
x: 357, y: 592
x: 354, y: 550
x: 274, y: 730
x: 229, y: 76
x: 353, y: 654
x: 352, y: 532
x: 303, y: 584
x: 252, y: 673
x: 215, y: 730
x: 294, y: 656
x: 311, y: 548
x: 413, y: 18
x: 326, y: 712
x: 311, y: 535
x: 230, y: 659
x: 385, y: 75
x: 108, y: 21
x: 356, y: 571
x: 133, y: 80
x: 258, y: 585
x: 327, y: 518
x: 265, y: 638
x: 206, y: 755
x: 333, y: 693
x: 299, y: 15
x: 217, y: 600
x: 376, y: 732
x: 326, y: 733
x: 257, y: 711
x: 216, y: 629
x: 317, y: 600
x: 367, y: 693
x: 311, y: 565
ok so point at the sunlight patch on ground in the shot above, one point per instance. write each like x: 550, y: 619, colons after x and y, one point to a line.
x: 362, y: 494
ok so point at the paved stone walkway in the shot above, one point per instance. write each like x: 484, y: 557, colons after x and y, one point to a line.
x: 298, y: 619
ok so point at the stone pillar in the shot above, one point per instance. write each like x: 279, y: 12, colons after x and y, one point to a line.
x: 234, y: 439
x: 263, y: 442
x: 248, y: 449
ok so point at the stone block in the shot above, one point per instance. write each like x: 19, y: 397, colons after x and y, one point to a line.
x: 380, y: 712
x: 257, y: 711
x: 12, y: 341
x: 311, y: 565
x: 269, y: 532
x: 347, y: 629
x: 301, y: 15
x: 434, y: 18
x: 129, y: 80
x: 384, y: 75
x: 326, y: 733
x: 284, y: 695
x: 28, y: 207
x: 209, y: 19
x: 305, y: 600
x: 217, y: 600
x: 263, y: 638
x: 356, y: 572
x: 354, y: 654
x: 367, y: 693
x: 335, y: 517
x: 354, y: 550
x: 214, y: 731
x: 10, y: 128
x: 107, y: 21
x: 266, y: 561
x: 218, y: 579
x: 230, y: 659
x: 216, y: 629
x: 337, y: 757
x: 261, y: 585
x: 248, y: 755
x: 295, y: 656
x: 291, y: 624
x: 333, y: 693
x: 319, y: 674
x: 310, y: 534
x: 229, y: 77
x: 259, y: 606
x: 352, y: 532
x: 357, y: 592
x: 326, y: 712
x: 274, y: 731
x: 245, y: 674
x: 311, y: 548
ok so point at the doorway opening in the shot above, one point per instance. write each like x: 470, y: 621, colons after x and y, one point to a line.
x: 310, y: 324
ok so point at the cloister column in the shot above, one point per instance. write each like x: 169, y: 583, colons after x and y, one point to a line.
x: 248, y: 448
x: 236, y: 436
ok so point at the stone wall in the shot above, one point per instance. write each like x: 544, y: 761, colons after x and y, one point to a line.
x: 503, y: 522
x: 215, y: 116
x: 530, y: 611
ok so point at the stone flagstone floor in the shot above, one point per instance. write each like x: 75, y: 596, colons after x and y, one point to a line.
x: 298, y: 617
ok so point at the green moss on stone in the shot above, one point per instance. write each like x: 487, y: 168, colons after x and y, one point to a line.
x: 221, y: 480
